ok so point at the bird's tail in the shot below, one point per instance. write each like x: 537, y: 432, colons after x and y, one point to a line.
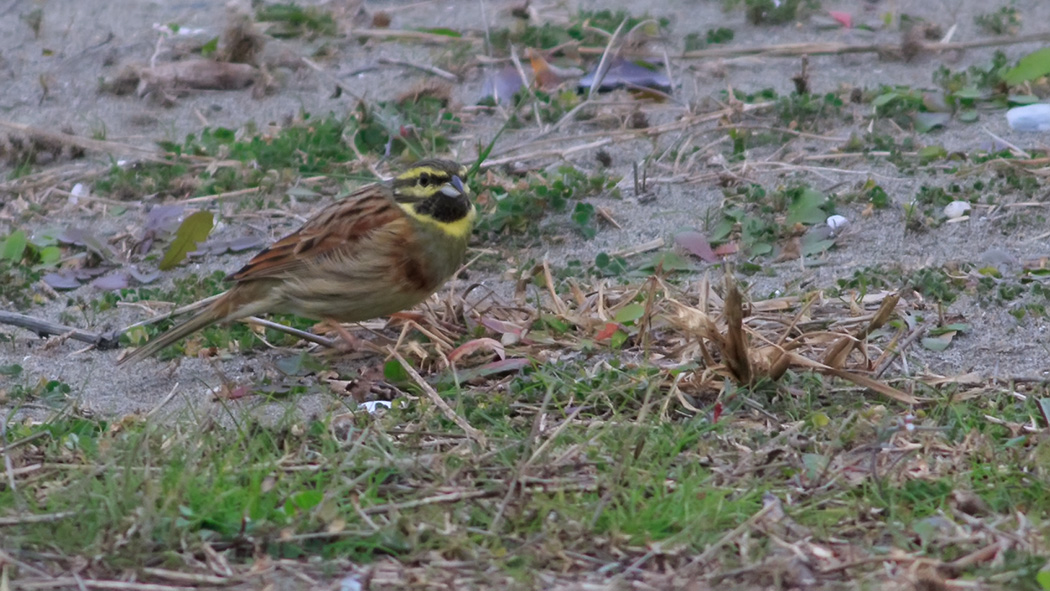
x: 216, y: 312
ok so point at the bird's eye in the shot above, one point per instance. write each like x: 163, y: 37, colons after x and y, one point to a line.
x: 424, y: 180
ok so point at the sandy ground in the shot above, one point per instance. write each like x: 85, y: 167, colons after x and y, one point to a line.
x: 51, y: 80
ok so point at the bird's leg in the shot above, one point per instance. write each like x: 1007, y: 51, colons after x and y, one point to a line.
x: 353, y: 344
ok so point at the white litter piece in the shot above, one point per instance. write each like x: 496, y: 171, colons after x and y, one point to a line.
x: 956, y: 209
x: 374, y: 406
x: 1029, y: 117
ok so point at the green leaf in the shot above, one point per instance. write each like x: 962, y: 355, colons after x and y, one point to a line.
x: 812, y: 247
x: 583, y: 217
x: 1029, y: 67
x: 969, y: 93
x: 806, y: 208
x: 210, y: 47
x: 629, y: 313
x: 926, y: 122
x: 884, y: 99
x: 618, y: 339
x: 1020, y: 100
x: 49, y: 255
x: 394, y: 371
x: 931, y: 153
x: 968, y: 116
x: 13, y: 370
x: 308, y: 499
x: 953, y: 328
x: 937, y: 344
x: 193, y: 230
x: 1043, y: 578
x: 14, y: 246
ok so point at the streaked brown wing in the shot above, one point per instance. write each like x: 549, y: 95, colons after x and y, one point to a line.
x: 341, y: 225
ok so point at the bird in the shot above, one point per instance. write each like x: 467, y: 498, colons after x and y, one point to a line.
x: 385, y: 248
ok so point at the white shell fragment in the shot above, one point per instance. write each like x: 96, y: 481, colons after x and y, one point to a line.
x: 1029, y: 117
x: 79, y: 190
x: 837, y: 223
x: 956, y: 209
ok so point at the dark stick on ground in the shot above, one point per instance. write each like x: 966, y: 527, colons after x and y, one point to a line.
x: 43, y: 328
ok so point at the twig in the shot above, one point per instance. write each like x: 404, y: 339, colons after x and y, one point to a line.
x: 43, y: 328
x: 167, y: 399
x: 37, y: 518
x: 446, y: 410
x: 603, y: 64
x: 436, y: 499
x: 899, y: 349
x: 295, y: 332
x: 710, y: 551
x: 24, y: 440
x: 423, y: 67
x: 332, y: 79
x: 798, y: 49
x: 402, y: 35
x: 218, y: 196
x: 195, y: 578
x: 72, y: 582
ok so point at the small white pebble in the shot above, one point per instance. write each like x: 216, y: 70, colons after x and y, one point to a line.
x: 837, y: 222
x: 956, y: 209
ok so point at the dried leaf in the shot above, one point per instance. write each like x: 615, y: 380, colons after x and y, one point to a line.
x: 194, y: 230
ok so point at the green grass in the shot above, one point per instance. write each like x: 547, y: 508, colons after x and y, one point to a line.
x: 620, y: 481
x: 581, y: 28
x: 517, y: 211
x: 409, y: 130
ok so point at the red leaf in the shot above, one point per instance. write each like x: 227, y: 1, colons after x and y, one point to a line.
x: 717, y: 412
x: 477, y: 345
x: 500, y: 326
x: 842, y: 17
x: 608, y: 331
x: 726, y: 249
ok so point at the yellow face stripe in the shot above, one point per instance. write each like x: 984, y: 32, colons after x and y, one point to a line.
x: 412, y: 173
x: 460, y: 228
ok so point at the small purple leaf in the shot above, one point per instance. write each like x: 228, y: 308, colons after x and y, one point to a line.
x: 164, y: 218
x: 632, y: 74
x: 142, y: 277
x: 112, y: 282
x: 245, y: 243
x: 502, y: 85
x: 696, y: 244
x: 72, y: 235
x: 61, y: 280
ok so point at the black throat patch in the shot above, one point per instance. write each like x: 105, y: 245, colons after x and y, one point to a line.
x: 445, y: 209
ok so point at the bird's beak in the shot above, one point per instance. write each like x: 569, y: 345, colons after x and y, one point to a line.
x: 454, y: 188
